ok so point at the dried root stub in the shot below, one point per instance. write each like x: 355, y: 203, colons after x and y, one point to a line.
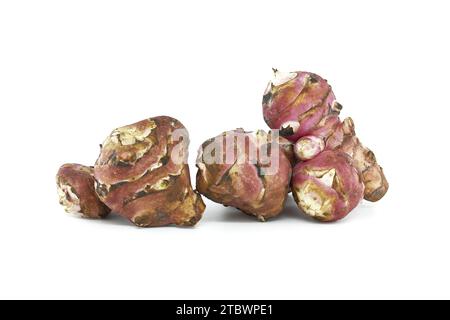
x: 76, y: 191
x: 296, y: 102
x: 142, y: 174
x: 327, y: 187
x: 246, y: 171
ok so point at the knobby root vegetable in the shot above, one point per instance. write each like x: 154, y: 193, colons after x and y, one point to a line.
x: 246, y: 171
x: 296, y: 102
x: 142, y: 174
x: 303, y: 106
x: 333, y: 134
x: 76, y: 191
x: 327, y: 187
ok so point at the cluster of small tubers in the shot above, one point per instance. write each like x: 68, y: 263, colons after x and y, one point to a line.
x: 142, y: 172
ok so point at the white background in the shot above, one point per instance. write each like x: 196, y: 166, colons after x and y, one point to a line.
x: 71, y: 71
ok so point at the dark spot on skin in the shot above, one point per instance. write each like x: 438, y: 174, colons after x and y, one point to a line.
x: 165, y: 160
x: 267, y: 97
x: 112, y: 158
x: 68, y: 197
x: 140, y: 194
x: 313, y: 79
x: 259, y: 171
x: 116, y: 186
x: 370, y: 156
x: 102, y: 190
x: 161, y: 216
x: 122, y: 164
x: 287, y: 132
x: 142, y: 220
x: 337, y: 106
x: 193, y: 221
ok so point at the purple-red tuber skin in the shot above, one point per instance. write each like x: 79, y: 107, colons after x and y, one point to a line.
x: 76, y: 191
x: 139, y: 178
x: 303, y: 107
x: 255, y: 186
x: 296, y: 102
x: 327, y: 187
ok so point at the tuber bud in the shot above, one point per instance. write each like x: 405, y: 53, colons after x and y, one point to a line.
x: 327, y: 187
x: 296, y: 102
x: 308, y: 147
x: 142, y: 174
x: 76, y: 191
x: 245, y: 171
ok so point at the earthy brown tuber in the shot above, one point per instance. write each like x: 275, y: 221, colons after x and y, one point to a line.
x: 142, y: 174
x: 76, y: 191
x: 246, y: 171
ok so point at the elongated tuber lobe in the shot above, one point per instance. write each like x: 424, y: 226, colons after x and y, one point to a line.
x: 327, y: 187
x: 344, y: 139
x: 76, y: 191
x: 246, y: 171
x: 296, y: 102
x: 142, y: 174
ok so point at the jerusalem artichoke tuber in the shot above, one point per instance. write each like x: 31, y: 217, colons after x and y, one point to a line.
x: 76, y: 191
x: 245, y: 171
x: 142, y: 174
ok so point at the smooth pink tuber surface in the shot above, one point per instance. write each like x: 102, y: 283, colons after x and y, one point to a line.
x: 327, y: 187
